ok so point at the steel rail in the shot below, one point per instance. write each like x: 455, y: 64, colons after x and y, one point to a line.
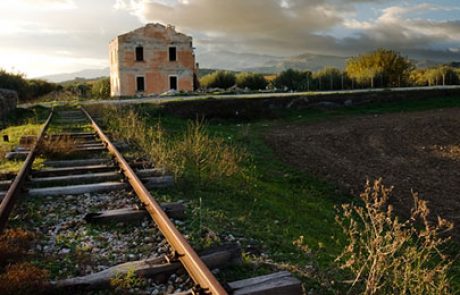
x: 14, y: 190
x: 195, y: 267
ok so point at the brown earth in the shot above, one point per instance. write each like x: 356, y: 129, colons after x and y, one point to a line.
x: 419, y: 151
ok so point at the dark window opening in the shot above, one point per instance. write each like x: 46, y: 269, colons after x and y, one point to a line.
x: 173, y: 82
x: 140, y: 53
x: 172, y: 54
x: 140, y: 84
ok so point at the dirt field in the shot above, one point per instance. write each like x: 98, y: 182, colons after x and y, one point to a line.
x: 419, y: 151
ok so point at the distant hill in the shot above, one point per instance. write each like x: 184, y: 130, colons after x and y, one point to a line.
x: 80, y: 80
x: 84, y: 74
x: 204, y: 72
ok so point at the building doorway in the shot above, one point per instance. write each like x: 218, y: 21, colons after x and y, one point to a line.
x: 173, y: 82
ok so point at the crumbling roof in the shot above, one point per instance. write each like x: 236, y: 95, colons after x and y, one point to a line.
x: 157, y: 26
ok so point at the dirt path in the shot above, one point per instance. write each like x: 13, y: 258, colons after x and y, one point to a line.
x: 419, y: 151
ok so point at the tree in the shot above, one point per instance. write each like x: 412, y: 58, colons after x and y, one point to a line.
x: 252, y: 81
x: 16, y: 82
x: 293, y: 80
x: 101, y: 88
x: 418, y: 77
x: 218, y: 79
x: 390, y: 67
x: 329, y: 76
x: 81, y: 89
x: 26, y: 89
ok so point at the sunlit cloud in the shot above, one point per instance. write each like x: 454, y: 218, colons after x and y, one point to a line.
x: 38, y: 4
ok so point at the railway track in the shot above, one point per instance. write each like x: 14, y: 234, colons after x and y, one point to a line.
x: 99, y: 224
x: 98, y: 168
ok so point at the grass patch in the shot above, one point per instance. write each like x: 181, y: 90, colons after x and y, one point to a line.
x: 14, y: 133
x: 193, y: 155
x: 22, y: 122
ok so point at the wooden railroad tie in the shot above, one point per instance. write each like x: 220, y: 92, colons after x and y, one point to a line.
x: 155, y: 268
x: 273, y: 284
x: 173, y: 210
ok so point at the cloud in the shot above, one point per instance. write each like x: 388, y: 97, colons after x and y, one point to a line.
x: 49, y: 4
x: 77, y: 35
x: 285, y: 27
x: 404, y: 28
x: 44, y: 63
x: 288, y: 27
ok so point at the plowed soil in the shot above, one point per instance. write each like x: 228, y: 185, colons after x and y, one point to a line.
x: 419, y: 151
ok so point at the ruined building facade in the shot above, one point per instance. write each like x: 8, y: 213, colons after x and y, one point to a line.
x: 152, y: 60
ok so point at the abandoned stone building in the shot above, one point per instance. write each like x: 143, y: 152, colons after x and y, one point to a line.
x: 152, y: 60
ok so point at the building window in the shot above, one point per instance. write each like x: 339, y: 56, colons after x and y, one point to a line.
x: 139, y: 53
x: 173, y: 82
x: 140, y: 82
x: 172, y: 54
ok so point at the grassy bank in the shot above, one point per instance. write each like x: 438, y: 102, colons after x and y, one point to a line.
x: 23, y: 122
x: 284, y: 218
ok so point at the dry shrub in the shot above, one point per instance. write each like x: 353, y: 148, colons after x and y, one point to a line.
x: 23, y: 278
x: 389, y: 256
x: 195, y: 154
x: 13, y: 244
x: 57, y: 146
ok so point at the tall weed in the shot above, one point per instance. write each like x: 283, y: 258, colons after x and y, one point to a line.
x: 390, y: 256
x: 194, y: 154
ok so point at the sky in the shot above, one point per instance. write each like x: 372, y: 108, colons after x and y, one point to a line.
x: 43, y: 37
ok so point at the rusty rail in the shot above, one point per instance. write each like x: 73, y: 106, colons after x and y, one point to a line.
x: 195, y: 267
x: 12, y: 195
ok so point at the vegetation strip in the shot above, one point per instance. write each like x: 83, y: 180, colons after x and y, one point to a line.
x: 9, y: 200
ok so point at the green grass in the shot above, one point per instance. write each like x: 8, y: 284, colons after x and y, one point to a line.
x: 273, y: 204
x: 24, y: 122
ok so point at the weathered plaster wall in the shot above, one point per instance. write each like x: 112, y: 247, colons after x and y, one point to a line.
x: 114, y: 68
x: 8, y: 102
x: 156, y: 68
